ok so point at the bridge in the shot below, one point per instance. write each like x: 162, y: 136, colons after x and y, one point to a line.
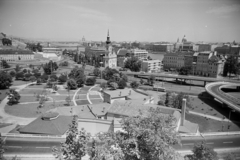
x: 214, y: 89
x: 180, y: 77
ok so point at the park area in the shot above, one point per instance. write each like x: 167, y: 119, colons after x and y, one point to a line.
x: 29, y: 105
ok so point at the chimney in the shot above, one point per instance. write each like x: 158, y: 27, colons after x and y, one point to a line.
x: 183, y: 112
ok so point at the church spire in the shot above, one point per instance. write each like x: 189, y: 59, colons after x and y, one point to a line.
x: 108, y: 38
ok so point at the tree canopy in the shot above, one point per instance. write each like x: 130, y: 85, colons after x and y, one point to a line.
x: 5, y: 80
x: 78, y: 75
x: 50, y: 67
x: 133, y: 63
x: 231, y: 65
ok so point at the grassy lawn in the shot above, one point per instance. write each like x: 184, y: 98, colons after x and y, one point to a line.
x: 3, y: 94
x: 28, y: 99
x: 94, y: 96
x: 97, y: 88
x: 30, y: 110
x: 36, y: 86
x: 4, y: 125
x: 19, y: 82
x: 82, y: 102
x: 60, y: 97
x: 96, y: 101
x: 31, y: 91
x: 79, y: 96
x: 66, y: 92
x: 209, y: 125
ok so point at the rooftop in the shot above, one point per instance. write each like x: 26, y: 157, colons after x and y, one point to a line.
x: 11, y: 51
x: 57, y: 126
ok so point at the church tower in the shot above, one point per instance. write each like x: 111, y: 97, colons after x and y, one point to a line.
x: 110, y: 56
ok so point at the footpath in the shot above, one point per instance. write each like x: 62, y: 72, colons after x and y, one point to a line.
x: 6, y: 118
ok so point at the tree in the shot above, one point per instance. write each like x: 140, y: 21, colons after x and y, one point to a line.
x: 151, y: 80
x: 185, y: 70
x: 13, y: 97
x: 124, y: 77
x: 44, y: 78
x: 113, y: 85
x: 230, y: 156
x: 97, y: 72
x: 32, y: 78
x: 39, y: 81
x: 5, y: 64
x: 71, y: 84
x: 161, y: 103
x: 75, y: 146
x: 17, y: 68
x: 12, y: 73
x: 1, y: 147
x: 91, y: 81
x: 133, y: 63
x: 27, y: 76
x: 141, y: 81
x: 230, y: 66
x: 24, y: 71
x: 78, y: 75
x: 149, y: 135
x: 116, y: 77
x: 174, y: 100
x: 62, y: 78
x: 103, y: 85
x: 108, y: 73
x: 122, y: 84
x: 50, y: 67
x: 19, y: 75
x: 5, y: 80
x: 134, y: 84
x: 53, y: 78
x: 203, y: 152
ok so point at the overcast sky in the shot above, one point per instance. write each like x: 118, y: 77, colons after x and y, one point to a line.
x: 127, y: 20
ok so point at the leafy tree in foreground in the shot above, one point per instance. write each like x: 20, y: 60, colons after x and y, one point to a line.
x: 230, y: 156
x: 146, y: 136
x: 13, y: 97
x: 78, y: 75
x: 230, y: 66
x: 5, y: 80
x: 75, y: 146
x: 203, y: 152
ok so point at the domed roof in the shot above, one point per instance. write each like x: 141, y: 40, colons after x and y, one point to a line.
x: 184, y: 39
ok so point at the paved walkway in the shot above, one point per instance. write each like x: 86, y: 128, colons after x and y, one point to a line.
x: 209, y: 116
x: 6, y: 118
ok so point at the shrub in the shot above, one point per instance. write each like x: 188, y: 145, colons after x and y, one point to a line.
x: 71, y: 84
x: 113, y: 85
x: 62, y: 78
x: 122, y: 84
x: 44, y: 78
x: 13, y: 97
x: 19, y: 76
x: 13, y: 73
x: 134, y: 84
x: 91, y: 81
x: 5, y: 80
x: 103, y: 85
x: 32, y: 78
x: 97, y: 72
x: 39, y: 81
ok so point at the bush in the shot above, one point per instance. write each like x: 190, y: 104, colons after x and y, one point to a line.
x: 27, y: 76
x: 97, y: 72
x: 13, y: 97
x: 37, y: 74
x: 13, y: 73
x: 122, y: 84
x: 113, y: 85
x: 134, y: 84
x: 19, y: 76
x: 91, y: 81
x: 62, y: 78
x: 71, y: 84
x: 39, y: 81
x: 53, y: 78
x: 103, y: 85
x: 32, y: 78
x: 44, y: 78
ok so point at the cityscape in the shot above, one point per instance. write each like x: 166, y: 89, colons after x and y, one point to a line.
x: 119, y: 80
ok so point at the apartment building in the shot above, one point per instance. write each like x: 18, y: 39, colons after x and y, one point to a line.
x: 139, y: 53
x: 151, y: 66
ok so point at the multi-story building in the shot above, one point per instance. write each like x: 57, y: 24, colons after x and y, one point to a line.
x: 16, y: 55
x: 208, y: 64
x: 177, y: 60
x: 139, y: 53
x: 151, y: 66
x: 122, y: 55
x: 204, y: 47
x: 222, y: 50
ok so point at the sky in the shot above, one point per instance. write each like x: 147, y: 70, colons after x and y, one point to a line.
x: 127, y: 20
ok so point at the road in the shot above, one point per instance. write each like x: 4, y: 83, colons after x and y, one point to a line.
x: 44, y: 145
x: 213, y: 89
